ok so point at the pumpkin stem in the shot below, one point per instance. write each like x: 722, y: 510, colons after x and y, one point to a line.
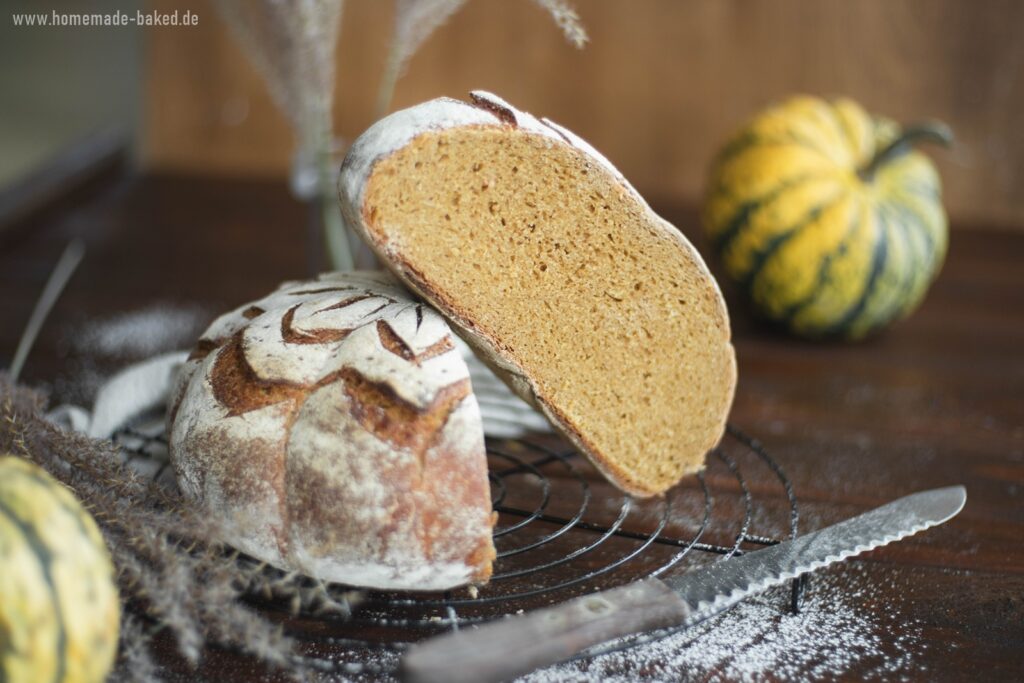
x: 932, y: 131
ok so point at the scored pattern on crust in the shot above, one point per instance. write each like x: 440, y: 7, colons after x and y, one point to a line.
x: 333, y: 425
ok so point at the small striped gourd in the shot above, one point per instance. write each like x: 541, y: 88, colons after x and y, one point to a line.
x: 59, y: 610
x: 827, y: 218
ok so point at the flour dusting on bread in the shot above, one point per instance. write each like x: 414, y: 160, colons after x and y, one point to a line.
x: 333, y: 426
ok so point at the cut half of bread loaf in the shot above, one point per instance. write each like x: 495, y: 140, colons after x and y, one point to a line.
x: 553, y: 267
x: 330, y: 428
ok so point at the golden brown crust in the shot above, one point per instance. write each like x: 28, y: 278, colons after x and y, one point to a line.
x: 237, y: 387
x: 384, y: 414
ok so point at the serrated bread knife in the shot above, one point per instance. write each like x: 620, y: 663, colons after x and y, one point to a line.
x: 503, y: 649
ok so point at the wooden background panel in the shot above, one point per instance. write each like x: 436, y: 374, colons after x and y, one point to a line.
x: 658, y: 89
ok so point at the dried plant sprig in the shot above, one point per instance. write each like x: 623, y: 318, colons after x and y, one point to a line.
x: 136, y: 661
x: 567, y: 20
x: 416, y: 20
x: 292, y: 44
x: 173, y: 571
x: 59, y: 277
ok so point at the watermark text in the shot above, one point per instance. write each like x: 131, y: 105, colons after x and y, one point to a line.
x: 154, y: 18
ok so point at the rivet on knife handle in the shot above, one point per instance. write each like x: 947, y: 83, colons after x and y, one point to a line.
x: 518, y: 645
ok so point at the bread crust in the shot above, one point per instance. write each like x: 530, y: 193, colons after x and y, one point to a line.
x: 332, y: 427
x: 398, y: 130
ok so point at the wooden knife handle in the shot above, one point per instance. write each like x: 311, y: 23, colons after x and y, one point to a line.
x: 513, y: 646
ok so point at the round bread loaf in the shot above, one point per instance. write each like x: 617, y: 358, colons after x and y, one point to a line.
x: 332, y: 427
x: 549, y: 263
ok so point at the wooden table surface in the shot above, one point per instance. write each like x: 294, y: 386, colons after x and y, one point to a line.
x: 936, y: 400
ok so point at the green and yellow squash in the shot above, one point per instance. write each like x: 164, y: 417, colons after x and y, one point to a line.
x: 827, y: 218
x: 59, y: 609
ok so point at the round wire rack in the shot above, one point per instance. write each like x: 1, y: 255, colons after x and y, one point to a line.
x: 561, y: 532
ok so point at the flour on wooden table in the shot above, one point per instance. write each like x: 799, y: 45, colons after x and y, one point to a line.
x: 761, y: 639
x: 836, y: 632
x: 102, y: 346
x: 141, y: 333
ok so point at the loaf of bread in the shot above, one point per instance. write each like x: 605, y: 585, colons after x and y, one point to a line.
x: 551, y: 265
x: 332, y: 428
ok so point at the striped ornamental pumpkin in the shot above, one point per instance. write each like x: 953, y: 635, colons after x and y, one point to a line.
x: 827, y: 218
x: 59, y: 610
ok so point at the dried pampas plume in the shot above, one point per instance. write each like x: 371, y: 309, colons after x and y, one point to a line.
x: 567, y: 19
x: 416, y: 20
x: 292, y: 44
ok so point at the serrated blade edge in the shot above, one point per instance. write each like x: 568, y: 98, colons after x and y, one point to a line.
x: 716, y: 587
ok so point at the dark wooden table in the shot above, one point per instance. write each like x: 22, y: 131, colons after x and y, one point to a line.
x: 936, y: 400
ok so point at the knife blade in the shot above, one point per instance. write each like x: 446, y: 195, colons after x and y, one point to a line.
x: 513, y: 646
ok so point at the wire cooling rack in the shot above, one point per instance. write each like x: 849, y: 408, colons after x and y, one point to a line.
x: 561, y: 532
